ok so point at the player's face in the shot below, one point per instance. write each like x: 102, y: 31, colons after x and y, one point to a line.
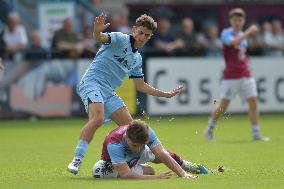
x: 237, y: 23
x: 135, y: 147
x: 141, y: 35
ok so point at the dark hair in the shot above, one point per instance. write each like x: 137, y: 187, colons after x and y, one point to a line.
x: 138, y: 132
x: 237, y: 12
x: 146, y: 21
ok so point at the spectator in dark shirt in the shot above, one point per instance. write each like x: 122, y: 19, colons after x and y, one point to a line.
x: 187, y: 39
x: 66, y: 42
x: 164, y: 40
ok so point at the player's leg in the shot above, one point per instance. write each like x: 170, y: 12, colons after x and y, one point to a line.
x: 117, y: 111
x: 94, y: 105
x: 121, y: 116
x: 185, y: 165
x: 249, y: 92
x: 254, y: 119
x: 96, y: 118
x: 141, y: 166
x: 228, y: 90
x: 217, y: 112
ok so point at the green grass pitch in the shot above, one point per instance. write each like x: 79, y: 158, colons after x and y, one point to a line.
x: 35, y: 154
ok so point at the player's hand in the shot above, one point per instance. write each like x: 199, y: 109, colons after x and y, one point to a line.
x: 253, y: 29
x: 174, y: 92
x: 166, y: 175
x: 99, y: 23
x: 1, y: 64
x: 189, y: 176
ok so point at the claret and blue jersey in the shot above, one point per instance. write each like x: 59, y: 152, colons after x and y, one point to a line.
x: 235, y: 56
x: 116, y: 150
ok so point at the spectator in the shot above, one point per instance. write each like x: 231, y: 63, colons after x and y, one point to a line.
x: 34, y: 52
x: 1, y: 64
x: 88, y: 13
x: 273, y: 38
x: 15, y: 38
x: 163, y: 40
x: 187, y: 39
x: 66, y: 42
x: 2, y: 43
x: 124, y: 24
x: 211, y: 42
x: 89, y: 44
x: 14, y: 41
x: 119, y: 23
x: 255, y: 44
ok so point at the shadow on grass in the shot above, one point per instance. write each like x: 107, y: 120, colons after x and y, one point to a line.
x: 92, y: 179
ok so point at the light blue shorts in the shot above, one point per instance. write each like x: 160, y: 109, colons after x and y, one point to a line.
x: 97, y: 92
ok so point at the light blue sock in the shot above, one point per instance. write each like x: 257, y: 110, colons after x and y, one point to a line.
x: 81, y: 149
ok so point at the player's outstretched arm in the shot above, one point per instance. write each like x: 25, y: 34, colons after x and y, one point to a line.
x: 99, y: 27
x: 1, y: 64
x: 125, y: 172
x: 163, y: 156
x: 250, y: 31
x: 146, y: 88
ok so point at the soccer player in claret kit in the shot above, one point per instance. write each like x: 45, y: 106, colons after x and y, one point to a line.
x: 117, y: 57
x: 237, y: 78
x: 127, y: 149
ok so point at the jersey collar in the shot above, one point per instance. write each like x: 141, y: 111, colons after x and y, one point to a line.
x: 132, y: 40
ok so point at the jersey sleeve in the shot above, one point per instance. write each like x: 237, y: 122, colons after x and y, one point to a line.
x: 154, y: 141
x: 137, y: 72
x: 116, y: 153
x: 226, y: 37
x: 115, y: 38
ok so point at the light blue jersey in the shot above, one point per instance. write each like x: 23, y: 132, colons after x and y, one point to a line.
x: 113, y: 62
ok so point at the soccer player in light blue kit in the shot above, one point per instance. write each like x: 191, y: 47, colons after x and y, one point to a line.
x: 117, y: 58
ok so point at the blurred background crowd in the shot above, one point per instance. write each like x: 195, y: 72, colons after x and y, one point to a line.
x: 185, y: 28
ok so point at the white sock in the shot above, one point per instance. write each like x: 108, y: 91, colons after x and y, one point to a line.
x: 255, y: 129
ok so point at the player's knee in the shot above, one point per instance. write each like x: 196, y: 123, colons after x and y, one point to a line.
x: 96, y: 122
x: 252, y: 102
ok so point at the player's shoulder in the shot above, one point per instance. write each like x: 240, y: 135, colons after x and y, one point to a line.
x: 227, y: 31
x: 152, y: 132
x: 116, y: 135
x: 119, y: 35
